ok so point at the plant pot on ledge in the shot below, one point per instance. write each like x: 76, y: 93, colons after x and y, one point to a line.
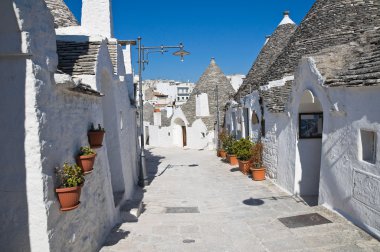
x: 86, y: 159
x: 258, y: 174
x: 244, y: 166
x: 71, y: 182
x: 69, y: 197
x: 95, y: 136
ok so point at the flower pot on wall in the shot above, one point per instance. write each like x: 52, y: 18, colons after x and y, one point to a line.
x: 244, y: 166
x: 86, y: 163
x: 258, y: 174
x: 95, y: 138
x: 69, y: 197
x: 233, y: 159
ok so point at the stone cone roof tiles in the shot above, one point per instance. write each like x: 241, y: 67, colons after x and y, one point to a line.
x: 329, y: 23
x: 63, y: 17
x: 77, y: 58
x: 272, y: 48
x: 112, y: 48
x: 364, y: 70
x: 212, y: 77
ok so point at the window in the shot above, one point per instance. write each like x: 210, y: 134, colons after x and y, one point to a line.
x: 368, y: 146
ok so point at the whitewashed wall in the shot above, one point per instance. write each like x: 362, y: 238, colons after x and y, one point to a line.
x: 198, y: 136
x: 348, y: 185
x: 31, y: 32
x: 160, y: 136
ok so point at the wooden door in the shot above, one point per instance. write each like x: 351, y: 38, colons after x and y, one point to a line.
x: 184, y: 136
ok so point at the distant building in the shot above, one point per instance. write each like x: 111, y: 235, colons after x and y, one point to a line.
x: 193, y: 125
x: 166, y: 93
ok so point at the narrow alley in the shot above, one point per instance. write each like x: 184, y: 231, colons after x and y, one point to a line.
x: 196, y: 202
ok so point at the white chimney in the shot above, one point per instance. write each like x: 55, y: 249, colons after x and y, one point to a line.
x: 97, y: 17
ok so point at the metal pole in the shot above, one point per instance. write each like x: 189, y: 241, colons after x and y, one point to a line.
x: 217, y: 117
x: 143, y: 178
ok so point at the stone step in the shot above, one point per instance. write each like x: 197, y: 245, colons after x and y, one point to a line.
x: 131, y: 210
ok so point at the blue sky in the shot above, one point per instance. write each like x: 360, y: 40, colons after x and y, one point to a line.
x: 232, y: 32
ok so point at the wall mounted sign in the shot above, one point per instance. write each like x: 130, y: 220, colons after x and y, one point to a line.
x: 310, y: 125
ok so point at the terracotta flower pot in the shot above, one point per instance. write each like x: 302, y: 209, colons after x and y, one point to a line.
x: 258, y: 174
x: 233, y: 159
x: 222, y: 153
x: 95, y: 138
x: 86, y: 163
x: 69, y: 197
x: 244, y: 166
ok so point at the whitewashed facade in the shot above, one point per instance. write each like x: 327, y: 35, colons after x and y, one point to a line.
x: 46, y: 110
x: 337, y: 81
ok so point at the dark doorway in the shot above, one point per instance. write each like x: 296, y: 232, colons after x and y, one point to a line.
x: 184, y: 137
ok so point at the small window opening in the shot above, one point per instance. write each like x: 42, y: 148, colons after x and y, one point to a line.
x: 121, y: 121
x: 368, y: 144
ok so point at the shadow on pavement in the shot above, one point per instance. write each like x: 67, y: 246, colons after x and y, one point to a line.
x: 115, y: 236
x: 253, y: 202
x: 152, y: 163
x: 234, y: 169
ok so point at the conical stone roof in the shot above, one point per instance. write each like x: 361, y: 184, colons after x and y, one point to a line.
x: 63, y: 17
x: 212, y: 77
x: 329, y: 23
x: 268, y: 54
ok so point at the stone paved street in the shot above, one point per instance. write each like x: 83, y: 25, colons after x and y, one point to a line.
x: 235, y: 213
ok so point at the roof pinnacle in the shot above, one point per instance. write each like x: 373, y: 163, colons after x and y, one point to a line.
x: 286, y: 19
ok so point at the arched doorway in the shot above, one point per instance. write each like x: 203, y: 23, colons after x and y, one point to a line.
x: 179, y: 133
x: 13, y: 188
x: 112, y: 137
x: 309, y: 146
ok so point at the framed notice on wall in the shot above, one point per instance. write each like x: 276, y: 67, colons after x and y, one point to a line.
x: 310, y: 125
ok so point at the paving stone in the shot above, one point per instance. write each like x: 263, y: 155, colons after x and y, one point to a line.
x: 224, y: 222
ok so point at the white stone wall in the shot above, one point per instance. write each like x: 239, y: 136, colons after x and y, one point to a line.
x: 160, y: 136
x: 347, y: 184
x: 198, y: 136
x: 26, y: 56
x: 50, y: 126
x: 344, y: 178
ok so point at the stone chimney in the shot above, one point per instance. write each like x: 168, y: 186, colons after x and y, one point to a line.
x: 97, y: 17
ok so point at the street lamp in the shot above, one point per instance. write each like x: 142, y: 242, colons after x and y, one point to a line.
x: 142, y: 54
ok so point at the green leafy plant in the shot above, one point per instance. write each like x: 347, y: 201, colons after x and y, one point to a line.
x: 228, y: 144
x: 97, y: 129
x: 70, y: 176
x: 223, y: 138
x: 257, y: 155
x: 243, y: 148
x: 86, y: 150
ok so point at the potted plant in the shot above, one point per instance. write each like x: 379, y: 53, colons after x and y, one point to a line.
x: 71, y: 180
x: 227, y: 145
x: 95, y: 136
x: 232, y: 152
x: 86, y: 159
x: 222, y: 138
x: 257, y: 169
x: 244, y: 154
